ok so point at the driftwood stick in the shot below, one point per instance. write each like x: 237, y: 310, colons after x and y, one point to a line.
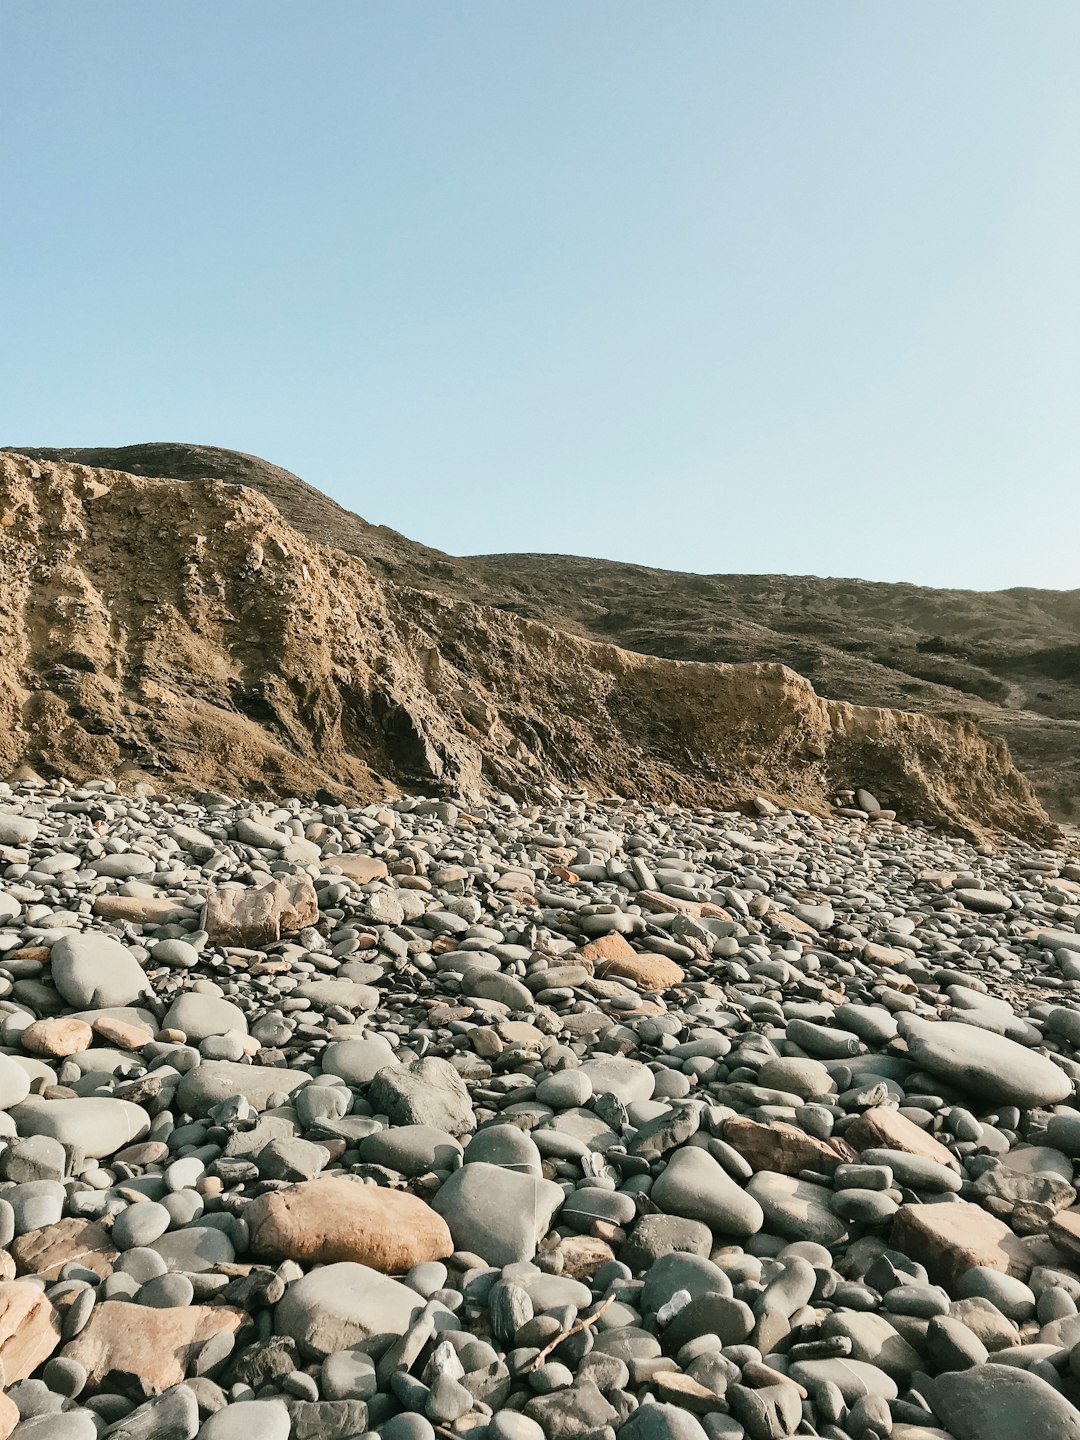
x: 575, y: 1329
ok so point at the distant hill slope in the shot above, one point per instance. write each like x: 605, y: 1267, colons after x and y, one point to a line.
x: 1010, y: 658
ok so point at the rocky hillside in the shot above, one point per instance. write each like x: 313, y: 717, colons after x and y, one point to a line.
x: 175, y: 624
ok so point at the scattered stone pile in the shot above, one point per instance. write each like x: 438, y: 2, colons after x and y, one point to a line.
x: 532, y: 1124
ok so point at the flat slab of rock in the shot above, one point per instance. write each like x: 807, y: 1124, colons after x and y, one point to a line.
x: 216, y: 1080
x: 990, y: 1066
x: 140, y: 1350
x: 951, y: 1238
x: 884, y: 1129
x: 29, y: 1328
x: 68, y: 1242
x: 338, y: 1306
x: 361, y: 868
x: 249, y: 918
x: 139, y: 909
x: 783, y: 1148
x: 339, y: 1218
x: 613, y: 957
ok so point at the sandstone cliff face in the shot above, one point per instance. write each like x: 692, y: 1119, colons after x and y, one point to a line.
x: 183, y: 631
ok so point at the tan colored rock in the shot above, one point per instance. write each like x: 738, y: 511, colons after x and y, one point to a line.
x: 338, y: 1218
x: 611, y: 957
x: 60, y: 1036
x: 9, y: 1416
x: 250, y: 918
x: 71, y: 1241
x: 949, y: 1239
x: 139, y: 1350
x: 887, y: 955
x: 1065, y: 1232
x: 7, y: 1266
x: 139, y: 909
x: 121, y: 1033
x: 783, y: 1148
x: 885, y: 1129
x: 29, y: 1329
x: 582, y: 1256
x: 361, y: 868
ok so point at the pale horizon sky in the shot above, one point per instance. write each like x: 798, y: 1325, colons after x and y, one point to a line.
x: 723, y: 287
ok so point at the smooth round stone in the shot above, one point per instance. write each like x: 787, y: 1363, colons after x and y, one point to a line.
x: 36, y: 1203
x: 248, y: 1420
x: 511, y: 1425
x: 696, y: 1187
x: 93, y: 971
x: 348, y: 1375
x: 200, y: 1016
x: 412, y: 1149
x: 506, y: 1146
x: 407, y: 1427
x: 196, y: 1249
x: 177, y: 953
x: 588, y: 1204
x: 627, y: 1080
x: 796, y: 1209
x: 500, y: 1215
x: 140, y: 1225
x: 809, y: 1079
x: 661, y: 1422
x: 184, y: 1174
x: 72, y: 1425
x: 853, y: 1378
x: 166, y: 1291
x: 96, y: 1125
x: 14, y: 1082
x: 1007, y: 1294
x: 358, y: 1061
x: 677, y: 1271
x: 990, y: 1066
x: 1001, y: 1402
x: 1063, y: 1133
x: 139, y: 1263
x: 64, y: 1377
x: 869, y: 1207
x: 335, y: 1307
x: 563, y: 1091
x: 427, y: 1277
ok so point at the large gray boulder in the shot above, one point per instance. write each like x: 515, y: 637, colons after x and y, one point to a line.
x: 335, y: 1307
x: 93, y: 971
x: 427, y: 1092
x: 990, y: 1066
x: 500, y: 1215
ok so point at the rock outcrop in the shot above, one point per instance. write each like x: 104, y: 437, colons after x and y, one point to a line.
x: 184, y: 632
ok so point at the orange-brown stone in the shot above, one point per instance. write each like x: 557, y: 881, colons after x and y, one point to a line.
x: 139, y: 1350
x: 71, y: 1241
x: 339, y: 1218
x: 949, y: 1239
x: 29, y: 1328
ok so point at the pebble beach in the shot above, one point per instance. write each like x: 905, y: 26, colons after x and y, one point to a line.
x: 500, y: 1122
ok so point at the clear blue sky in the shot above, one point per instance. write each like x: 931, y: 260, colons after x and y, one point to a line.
x: 744, y: 285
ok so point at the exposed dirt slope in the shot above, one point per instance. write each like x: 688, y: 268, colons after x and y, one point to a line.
x: 183, y: 629
x: 1010, y: 658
